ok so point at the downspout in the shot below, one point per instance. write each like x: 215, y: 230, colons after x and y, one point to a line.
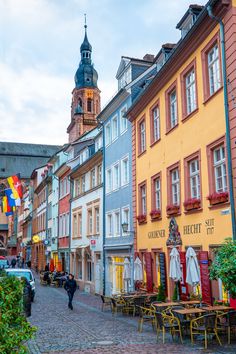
x: 103, y: 212
x: 226, y: 107
x: 70, y: 201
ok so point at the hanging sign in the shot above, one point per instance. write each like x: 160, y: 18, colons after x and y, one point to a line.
x: 36, y: 238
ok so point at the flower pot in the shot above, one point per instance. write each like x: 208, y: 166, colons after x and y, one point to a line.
x: 155, y: 216
x: 173, y: 211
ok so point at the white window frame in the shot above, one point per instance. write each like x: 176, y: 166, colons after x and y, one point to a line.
x: 142, y: 136
x: 143, y: 197
x: 93, y: 178
x: 190, y: 87
x: 124, y: 181
x: 175, y: 187
x: 109, y: 179
x: 157, y: 191
x: 213, y: 66
x: 83, y: 184
x: 116, y: 183
x: 97, y: 219
x: 114, y: 128
x: 108, y: 134
x: 194, y: 178
x: 156, y: 123
x: 124, y: 219
x: 173, y: 108
x: 109, y: 224
x: 220, y: 172
x: 123, y: 121
x: 116, y: 222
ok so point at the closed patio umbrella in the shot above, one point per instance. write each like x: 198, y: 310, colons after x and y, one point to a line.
x: 193, y: 271
x: 138, y: 270
x: 175, y: 270
x: 127, y: 270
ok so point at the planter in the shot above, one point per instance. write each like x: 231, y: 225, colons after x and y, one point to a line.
x: 218, y: 200
x: 192, y: 206
x: 141, y: 219
x: 173, y: 210
x: 155, y: 215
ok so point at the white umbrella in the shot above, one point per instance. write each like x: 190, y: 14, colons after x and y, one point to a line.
x: 175, y: 269
x: 193, y: 271
x: 138, y: 270
x: 127, y: 270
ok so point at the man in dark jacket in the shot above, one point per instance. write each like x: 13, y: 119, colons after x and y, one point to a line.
x: 70, y: 286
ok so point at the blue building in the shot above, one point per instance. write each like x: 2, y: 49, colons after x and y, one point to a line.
x: 133, y: 76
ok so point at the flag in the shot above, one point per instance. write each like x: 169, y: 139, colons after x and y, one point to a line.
x: 10, y: 197
x: 5, y: 205
x: 16, y: 186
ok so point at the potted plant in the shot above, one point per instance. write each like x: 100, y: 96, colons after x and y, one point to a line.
x: 142, y: 218
x: 217, y: 198
x: 192, y: 203
x: 161, y: 296
x: 172, y: 209
x: 224, y: 267
x: 155, y: 214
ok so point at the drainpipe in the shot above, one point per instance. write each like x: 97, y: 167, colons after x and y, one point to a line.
x: 103, y: 213
x: 226, y: 106
x: 70, y: 213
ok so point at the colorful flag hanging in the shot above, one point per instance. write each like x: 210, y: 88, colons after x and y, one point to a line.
x: 5, y: 205
x: 16, y: 186
x: 10, y: 197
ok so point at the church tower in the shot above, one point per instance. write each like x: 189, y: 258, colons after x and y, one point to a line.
x: 85, y: 104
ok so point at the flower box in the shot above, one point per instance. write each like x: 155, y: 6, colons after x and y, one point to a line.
x: 192, y: 204
x: 172, y: 209
x: 155, y: 214
x: 141, y: 218
x: 217, y: 198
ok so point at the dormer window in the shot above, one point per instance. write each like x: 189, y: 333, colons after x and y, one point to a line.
x: 189, y: 18
x: 125, y: 79
x: 187, y: 26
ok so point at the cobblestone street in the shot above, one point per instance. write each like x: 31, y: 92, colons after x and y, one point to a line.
x: 88, y: 330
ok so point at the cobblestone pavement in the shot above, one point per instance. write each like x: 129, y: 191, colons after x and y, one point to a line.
x: 88, y: 330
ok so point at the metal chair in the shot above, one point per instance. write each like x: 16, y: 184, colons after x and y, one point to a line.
x: 106, y: 302
x: 206, y: 325
x: 226, y: 322
x: 166, y: 323
x: 117, y: 305
x: 146, y: 315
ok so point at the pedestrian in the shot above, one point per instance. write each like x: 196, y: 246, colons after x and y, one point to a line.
x: 70, y: 286
x: 47, y: 267
x: 23, y: 263
x: 13, y: 262
x: 29, y: 264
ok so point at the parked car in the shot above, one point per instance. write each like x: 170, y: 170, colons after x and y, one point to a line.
x: 19, y: 273
x: 4, y: 264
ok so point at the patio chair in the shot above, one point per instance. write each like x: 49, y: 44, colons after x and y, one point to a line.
x: 166, y: 323
x: 146, y: 315
x: 206, y: 325
x: 117, y: 305
x: 106, y: 302
x: 150, y: 299
x: 128, y: 306
x: 226, y: 322
x: 138, y: 301
x: 185, y: 323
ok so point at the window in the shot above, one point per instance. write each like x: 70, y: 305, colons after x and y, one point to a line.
x: 156, y: 192
x: 175, y: 190
x: 123, y: 120
x: 142, y: 199
x: 64, y: 187
x: 99, y: 174
x: 89, y: 268
x: 220, y: 169
x: 77, y: 187
x: 83, y: 184
x: 171, y: 107
x: 97, y: 220
x: 93, y: 178
x: 190, y: 92
x: 117, y: 223
x: 109, y: 225
x: 125, y: 171
x: 80, y: 274
x: 49, y: 210
x: 89, y: 105
x: 142, y: 136
x: 90, y: 222
x: 214, y: 69
x: 114, y: 128
x: 155, y: 124
x: 109, y: 180
x: 194, y: 177
x: 108, y: 133
x: 125, y: 217
x: 212, y: 80
x: 75, y: 225
x: 80, y: 224
x: 116, y: 179
x: 189, y: 89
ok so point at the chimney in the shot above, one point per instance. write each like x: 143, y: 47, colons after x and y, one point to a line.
x: 148, y: 57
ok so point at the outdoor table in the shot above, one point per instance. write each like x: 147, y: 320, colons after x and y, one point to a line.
x: 217, y: 308
x: 190, y: 302
x: 189, y: 311
x: 165, y: 304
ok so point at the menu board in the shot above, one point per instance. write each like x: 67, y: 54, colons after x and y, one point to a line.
x: 162, y: 262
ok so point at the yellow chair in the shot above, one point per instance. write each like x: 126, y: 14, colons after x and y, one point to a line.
x: 166, y: 323
x: 146, y: 315
x: 206, y: 325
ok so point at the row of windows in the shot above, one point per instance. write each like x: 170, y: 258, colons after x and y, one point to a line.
x: 192, y: 174
x: 93, y: 222
x: 42, y: 197
x: 64, y: 187
x: 117, y: 175
x: 113, y: 126
x: 41, y: 222
x: 64, y: 224
x: 212, y: 83
x: 114, y: 220
x: 88, y: 181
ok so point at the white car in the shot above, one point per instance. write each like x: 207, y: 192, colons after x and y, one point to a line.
x: 21, y: 272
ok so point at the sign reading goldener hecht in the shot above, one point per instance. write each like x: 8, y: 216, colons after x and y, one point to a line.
x: 156, y: 234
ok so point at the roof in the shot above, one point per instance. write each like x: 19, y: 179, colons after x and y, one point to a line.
x: 23, y: 158
x: 193, y: 9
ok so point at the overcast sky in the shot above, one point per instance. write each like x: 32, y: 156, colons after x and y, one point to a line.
x: 40, y: 52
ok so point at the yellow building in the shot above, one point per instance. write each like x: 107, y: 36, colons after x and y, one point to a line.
x: 179, y: 156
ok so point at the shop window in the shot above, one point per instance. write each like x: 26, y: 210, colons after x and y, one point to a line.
x: 89, y: 268
x: 211, y: 62
x: 189, y: 90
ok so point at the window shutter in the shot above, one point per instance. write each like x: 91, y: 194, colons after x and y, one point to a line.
x: 205, y: 281
x: 148, y: 265
x: 183, y: 284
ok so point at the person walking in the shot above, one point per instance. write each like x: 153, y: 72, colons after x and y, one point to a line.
x: 13, y: 262
x: 70, y: 286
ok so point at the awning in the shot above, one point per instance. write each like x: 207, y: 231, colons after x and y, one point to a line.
x: 82, y: 246
x: 118, y: 247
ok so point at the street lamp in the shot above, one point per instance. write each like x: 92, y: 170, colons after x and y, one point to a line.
x: 125, y: 226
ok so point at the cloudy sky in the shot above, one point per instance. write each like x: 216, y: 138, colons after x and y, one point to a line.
x: 39, y: 54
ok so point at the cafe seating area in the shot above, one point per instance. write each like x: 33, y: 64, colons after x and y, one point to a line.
x: 186, y: 321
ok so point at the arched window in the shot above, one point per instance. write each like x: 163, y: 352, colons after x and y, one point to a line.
x: 89, y: 104
x: 80, y: 102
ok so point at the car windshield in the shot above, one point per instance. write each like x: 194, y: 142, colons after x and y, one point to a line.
x: 20, y: 274
x: 4, y: 263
